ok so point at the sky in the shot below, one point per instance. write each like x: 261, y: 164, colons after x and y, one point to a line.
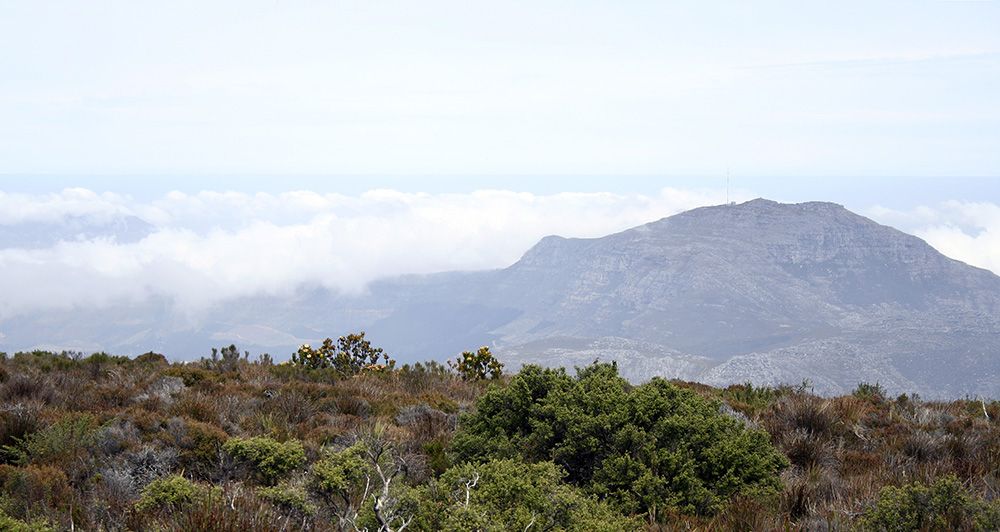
x: 280, y: 144
x: 518, y: 88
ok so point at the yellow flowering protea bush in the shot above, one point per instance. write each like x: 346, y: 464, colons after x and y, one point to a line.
x: 315, y: 358
x: 350, y: 355
x: 477, y: 366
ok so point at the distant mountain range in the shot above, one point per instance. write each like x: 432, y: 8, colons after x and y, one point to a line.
x: 761, y: 291
x: 36, y: 235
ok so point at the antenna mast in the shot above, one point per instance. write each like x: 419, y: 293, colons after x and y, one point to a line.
x: 727, y: 186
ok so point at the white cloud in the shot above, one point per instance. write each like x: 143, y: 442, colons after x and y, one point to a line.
x: 966, y: 231
x: 18, y: 208
x: 214, y: 246
x: 210, y: 247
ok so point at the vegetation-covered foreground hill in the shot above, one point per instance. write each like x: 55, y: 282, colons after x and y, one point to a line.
x: 342, y: 439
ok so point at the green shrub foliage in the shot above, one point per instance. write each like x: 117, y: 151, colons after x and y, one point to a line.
x: 511, y: 495
x: 646, y: 447
x: 9, y: 524
x: 105, y: 443
x: 270, y: 459
x: 944, y: 505
x: 340, y: 475
x: 477, y: 366
x: 289, y: 497
x: 171, y: 493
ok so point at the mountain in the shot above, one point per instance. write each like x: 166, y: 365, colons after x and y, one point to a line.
x: 36, y: 235
x: 760, y: 291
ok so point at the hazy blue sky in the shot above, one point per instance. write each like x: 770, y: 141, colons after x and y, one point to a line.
x: 579, y: 118
x: 858, y: 193
x: 500, y: 88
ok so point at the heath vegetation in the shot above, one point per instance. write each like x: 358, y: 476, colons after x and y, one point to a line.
x: 342, y: 438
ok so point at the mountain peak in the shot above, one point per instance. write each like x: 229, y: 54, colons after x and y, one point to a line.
x: 764, y: 205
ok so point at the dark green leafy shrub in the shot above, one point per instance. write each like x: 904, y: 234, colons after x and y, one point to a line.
x: 437, y: 457
x: 270, y: 459
x: 340, y: 474
x: 477, y: 366
x: 944, y: 505
x: 645, y: 447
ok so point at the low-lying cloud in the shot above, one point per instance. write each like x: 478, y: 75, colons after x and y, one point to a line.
x: 967, y: 231
x: 214, y: 246
x: 210, y: 247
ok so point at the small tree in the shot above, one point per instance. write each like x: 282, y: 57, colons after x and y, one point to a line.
x: 357, y: 354
x: 320, y: 358
x: 361, y: 483
x: 477, y: 366
x: 225, y: 359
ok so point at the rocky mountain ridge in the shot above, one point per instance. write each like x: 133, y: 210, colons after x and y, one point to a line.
x: 760, y: 291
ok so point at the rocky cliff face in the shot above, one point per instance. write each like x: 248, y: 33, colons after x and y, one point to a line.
x: 759, y: 291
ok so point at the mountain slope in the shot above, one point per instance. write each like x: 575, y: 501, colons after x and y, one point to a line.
x: 807, y: 291
x: 759, y: 291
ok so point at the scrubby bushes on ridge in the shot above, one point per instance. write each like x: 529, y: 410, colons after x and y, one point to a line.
x: 241, y: 443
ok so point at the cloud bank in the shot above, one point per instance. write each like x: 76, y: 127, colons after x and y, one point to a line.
x: 211, y: 247
x: 967, y: 231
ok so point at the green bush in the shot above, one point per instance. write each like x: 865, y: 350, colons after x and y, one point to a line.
x: 645, y: 447
x: 511, y: 495
x: 9, y: 524
x: 339, y: 474
x: 288, y: 496
x: 65, y: 443
x: 171, y: 493
x: 270, y: 459
x: 944, y: 505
